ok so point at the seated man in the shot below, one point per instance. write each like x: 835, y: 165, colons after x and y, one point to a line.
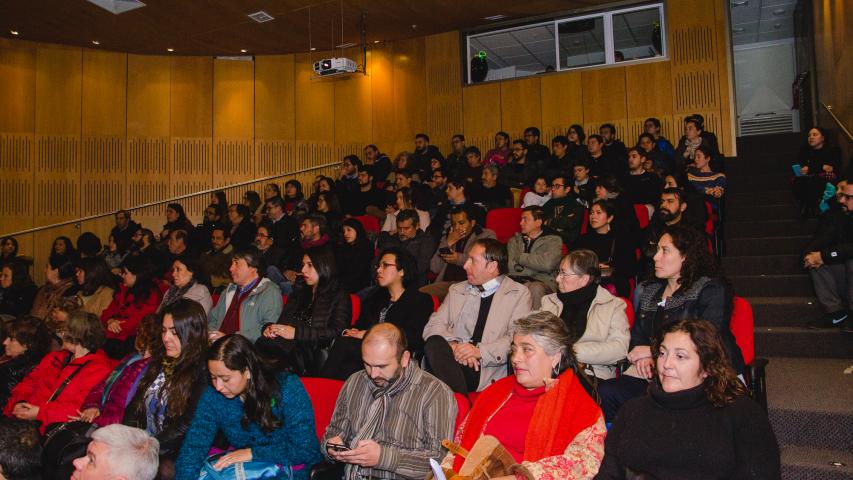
x: 119, y: 452
x: 671, y: 211
x: 564, y: 213
x: 412, y: 239
x: 369, y: 199
x: 641, y: 186
x: 467, y: 339
x: 265, y: 242
x: 457, y: 196
x: 247, y: 304
x: 830, y: 264
x: 217, y: 260
x: 584, y: 187
x: 389, y: 419
x: 534, y: 255
x: 491, y: 194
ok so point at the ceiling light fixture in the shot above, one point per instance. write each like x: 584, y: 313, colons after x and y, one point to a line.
x: 313, y: 49
x: 744, y: 3
x: 494, y: 17
x: 738, y: 29
x: 345, y: 45
x: 779, y: 11
x: 170, y: 49
x: 117, y: 7
x: 376, y: 41
x: 243, y: 50
x: 261, y: 16
x: 14, y: 32
x: 95, y: 42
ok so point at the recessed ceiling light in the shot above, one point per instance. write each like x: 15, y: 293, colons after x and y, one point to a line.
x: 744, y: 3
x: 95, y: 42
x: 170, y: 49
x: 779, y: 11
x: 313, y: 49
x: 494, y: 17
x: 376, y: 41
x: 14, y: 32
x: 243, y: 50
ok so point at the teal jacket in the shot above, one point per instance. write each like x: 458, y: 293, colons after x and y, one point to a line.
x: 261, y: 307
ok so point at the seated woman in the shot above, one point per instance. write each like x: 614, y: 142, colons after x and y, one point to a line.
x: 59, y: 284
x: 97, y: 285
x: 398, y: 302
x: 322, y: 184
x: 330, y: 207
x: 403, y: 202
x: 697, y: 415
x: 694, y: 137
x: 712, y: 185
x: 176, y: 219
x: 63, y: 251
x: 253, y: 202
x: 265, y: 417
x: 168, y: 391
x: 55, y: 389
x: 137, y: 296
x: 315, y: 314
x: 819, y: 162
x: 294, y: 199
x: 25, y: 345
x: 354, y: 255
x: 17, y: 290
x: 8, y: 249
x: 688, y: 285
x: 616, y: 251
x: 541, y: 415
x: 108, y: 400
x: 592, y: 315
x: 190, y: 283
x: 539, y: 195
x: 608, y: 188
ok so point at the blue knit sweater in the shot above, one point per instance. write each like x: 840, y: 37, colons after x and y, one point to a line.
x: 294, y: 443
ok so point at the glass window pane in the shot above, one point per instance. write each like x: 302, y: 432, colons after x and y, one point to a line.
x: 510, y: 54
x: 637, y: 35
x: 582, y: 42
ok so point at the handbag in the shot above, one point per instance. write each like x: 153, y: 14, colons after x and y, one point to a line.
x: 244, y: 470
x: 62, y: 444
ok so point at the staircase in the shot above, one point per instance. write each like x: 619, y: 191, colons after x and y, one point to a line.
x: 810, y: 398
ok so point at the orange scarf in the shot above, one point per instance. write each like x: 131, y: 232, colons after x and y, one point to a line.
x: 560, y: 414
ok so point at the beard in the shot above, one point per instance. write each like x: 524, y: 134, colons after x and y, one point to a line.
x: 667, y: 216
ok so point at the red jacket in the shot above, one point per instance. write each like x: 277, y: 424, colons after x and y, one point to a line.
x: 37, y: 387
x: 124, y: 308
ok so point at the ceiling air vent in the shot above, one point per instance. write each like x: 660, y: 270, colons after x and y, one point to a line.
x: 261, y: 16
x: 118, y: 6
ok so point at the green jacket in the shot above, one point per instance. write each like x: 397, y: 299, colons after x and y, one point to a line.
x: 541, y: 263
x: 262, y: 306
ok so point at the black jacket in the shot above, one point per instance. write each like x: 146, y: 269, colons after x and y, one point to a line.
x: 317, y: 321
x: 354, y: 265
x: 410, y: 313
x: 421, y: 246
x: 17, y: 301
x: 707, y: 299
x: 834, y: 237
x: 14, y: 370
x: 421, y: 160
x: 244, y: 235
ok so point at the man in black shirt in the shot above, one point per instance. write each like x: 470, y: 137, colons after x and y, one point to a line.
x: 347, y: 185
x: 424, y: 152
x: 492, y: 194
x: 614, y: 148
x: 368, y: 199
x: 379, y: 162
x: 641, y: 186
x: 456, y: 161
x: 124, y: 230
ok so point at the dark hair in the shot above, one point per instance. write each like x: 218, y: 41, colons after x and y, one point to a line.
x: 253, y: 258
x: 179, y: 209
x: 403, y: 172
x: 495, y: 252
x: 579, y: 130
x: 299, y: 195
x: 595, y: 137
x: 457, y: 182
x: 521, y: 142
x: 459, y: 209
x: 582, y: 162
x: 458, y: 136
x: 610, y: 127
x: 423, y: 136
x: 218, y: 209
x: 441, y: 170
x: 221, y: 199
x: 241, y: 210
x: 331, y: 201
x: 65, y: 264
x: 654, y: 121
x: 193, y: 265
x: 226, y: 232
x: 323, y: 259
x: 608, y: 206
x: 679, y: 193
x: 408, y: 214
x: 693, y: 246
x: 275, y: 188
x: 503, y: 134
x: 149, y: 335
x: 721, y: 384
x: 532, y: 131
x: 262, y: 389
x: 561, y: 139
x: 30, y: 332
x: 190, y: 324
x: 698, y: 122
x: 406, y: 192
x: 565, y: 178
x: 20, y: 273
x: 406, y: 263
x: 366, y: 168
x: 535, y: 210
x: 14, y: 243
x: 362, y: 242
x: 706, y: 150
x: 84, y: 329
x: 88, y: 244
x: 144, y: 285
x: 646, y: 135
x: 472, y: 150
x: 70, y: 251
x: 611, y: 184
x: 372, y: 147
x: 20, y: 449
x: 584, y: 262
x: 96, y: 274
x: 353, y: 159
x: 318, y: 220
x: 254, y: 200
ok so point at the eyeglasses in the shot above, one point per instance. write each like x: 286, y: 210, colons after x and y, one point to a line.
x: 385, y: 265
x: 844, y: 196
x: 562, y: 274
x: 557, y: 185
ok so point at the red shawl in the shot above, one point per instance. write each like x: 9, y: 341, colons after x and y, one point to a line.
x: 560, y: 414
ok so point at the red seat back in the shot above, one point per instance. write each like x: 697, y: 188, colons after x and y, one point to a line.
x: 369, y: 222
x: 356, y: 306
x: 214, y: 297
x: 585, y: 221
x: 642, y: 214
x: 463, y: 407
x: 504, y: 222
x: 629, y: 312
x: 709, y: 224
x: 435, y: 303
x: 742, y: 326
x: 283, y: 299
x: 324, y: 394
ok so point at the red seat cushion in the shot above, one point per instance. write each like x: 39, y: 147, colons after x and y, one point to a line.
x: 505, y: 222
x: 642, y: 214
x: 356, y: 306
x: 369, y: 222
x: 324, y: 394
x: 742, y: 326
x: 629, y: 311
x: 463, y: 406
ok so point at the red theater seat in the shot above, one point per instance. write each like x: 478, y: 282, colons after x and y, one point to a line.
x: 369, y: 222
x: 356, y: 306
x: 463, y: 406
x: 642, y: 214
x: 504, y: 222
x: 742, y: 326
x: 324, y: 394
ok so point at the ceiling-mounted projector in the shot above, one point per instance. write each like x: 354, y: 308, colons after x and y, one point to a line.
x: 334, y: 66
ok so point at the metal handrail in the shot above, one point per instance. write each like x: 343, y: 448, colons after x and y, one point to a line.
x: 838, y: 121
x: 77, y: 221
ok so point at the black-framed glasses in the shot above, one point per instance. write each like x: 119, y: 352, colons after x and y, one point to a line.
x: 557, y: 185
x: 385, y: 265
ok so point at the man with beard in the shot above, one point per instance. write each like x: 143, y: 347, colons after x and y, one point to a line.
x: 378, y: 161
x: 369, y: 199
x: 424, y: 153
x: 217, y: 260
x: 391, y: 417
x: 673, y: 204
x: 348, y: 185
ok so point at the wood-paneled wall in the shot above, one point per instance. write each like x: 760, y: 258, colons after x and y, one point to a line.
x: 84, y: 132
x: 833, y: 28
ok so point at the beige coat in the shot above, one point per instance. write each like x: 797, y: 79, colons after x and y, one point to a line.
x: 607, y: 334
x: 98, y: 301
x: 512, y: 301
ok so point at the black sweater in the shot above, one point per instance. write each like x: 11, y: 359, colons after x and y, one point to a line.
x: 410, y: 313
x: 682, y: 435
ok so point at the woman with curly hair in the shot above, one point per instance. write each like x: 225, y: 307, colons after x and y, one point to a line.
x: 171, y: 386
x: 696, y: 415
x: 294, y: 199
x: 265, y: 417
x: 688, y: 284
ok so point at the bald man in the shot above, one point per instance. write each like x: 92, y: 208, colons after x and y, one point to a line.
x: 391, y: 417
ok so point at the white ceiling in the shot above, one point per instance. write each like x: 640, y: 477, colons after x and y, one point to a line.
x: 761, y: 20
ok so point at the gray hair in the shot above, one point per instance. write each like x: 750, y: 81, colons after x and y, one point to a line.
x: 132, y: 454
x: 492, y: 168
x: 549, y: 332
x: 583, y: 262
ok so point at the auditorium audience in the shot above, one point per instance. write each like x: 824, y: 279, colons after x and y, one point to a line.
x: 57, y: 386
x: 626, y: 222
x: 593, y: 316
x: 171, y: 386
x: 176, y: 219
x: 472, y: 172
x: 266, y: 418
x: 97, y: 285
x: 712, y: 185
x: 541, y: 415
x: 600, y: 163
x: 17, y: 290
x: 492, y: 194
x: 397, y: 301
x: 818, y: 163
x: 457, y: 196
x: 284, y: 228
x: 88, y: 245
x: 696, y: 414
x: 534, y: 254
x: 467, y: 339
x: 422, y: 155
x: 652, y: 127
x: 20, y: 450
x: 271, y: 190
x: 249, y: 302
x: 438, y: 186
x: 354, y: 255
x: 391, y: 417
x: 412, y: 239
x: 59, y: 284
x: 500, y: 154
x: 539, y: 194
x: 641, y: 186
x: 137, y: 296
x: 421, y: 194
x: 687, y: 285
x: 317, y: 311
x: 123, y: 230
x: 25, y: 345
x: 219, y: 199
x: 615, y: 249
x: 560, y: 161
x: 369, y: 199
x: 829, y: 260
x: 537, y: 154
x: 188, y: 282
x: 404, y: 201
x: 563, y: 213
x: 322, y: 184
x: 347, y: 185
x: 656, y: 161
x: 313, y: 233
x: 242, y: 227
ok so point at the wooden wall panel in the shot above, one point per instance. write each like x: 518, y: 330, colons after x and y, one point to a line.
x: 409, y: 114
x: 148, y: 96
x: 274, y: 95
x: 191, y: 97
x: 443, y: 88
x: 605, y: 100
x: 353, y: 99
x: 315, y: 103
x: 233, y: 99
x: 104, y: 93
x: 233, y: 134
x: 381, y: 75
x: 17, y: 86
x: 562, y: 103
x: 480, y: 107
x: 58, y: 85
x: 644, y: 101
x: 520, y: 106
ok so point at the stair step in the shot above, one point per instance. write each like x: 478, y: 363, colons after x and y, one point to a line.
x: 803, y: 342
x: 762, y: 212
x: 757, y: 228
x: 758, y: 264
x: 774, y: 180
x: 766, y: 245
x: 771, y: 285
x: 769, y: 197
x: 805, y: 463
x: 784, y: 311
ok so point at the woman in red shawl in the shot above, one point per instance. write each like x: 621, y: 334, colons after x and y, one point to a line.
x: 541, y: 415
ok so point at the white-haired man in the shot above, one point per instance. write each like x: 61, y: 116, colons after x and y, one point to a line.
x: 118, y: 452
